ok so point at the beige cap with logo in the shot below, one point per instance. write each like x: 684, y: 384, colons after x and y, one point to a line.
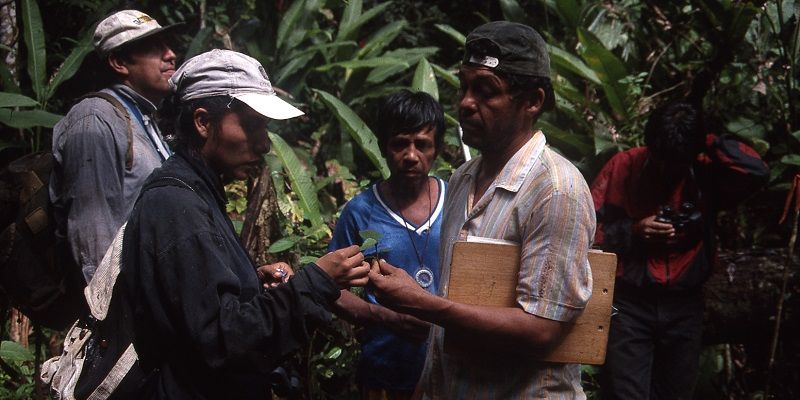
x: 125, y: 27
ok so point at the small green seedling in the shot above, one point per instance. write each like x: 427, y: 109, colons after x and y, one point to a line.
x: 371, y: 239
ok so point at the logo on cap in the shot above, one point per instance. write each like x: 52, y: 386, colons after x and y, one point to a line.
x: 486, y: 61
x: 142, y: 19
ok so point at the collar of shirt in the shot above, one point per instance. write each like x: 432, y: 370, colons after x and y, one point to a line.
x: 145, y: 106
x: 517, y: 168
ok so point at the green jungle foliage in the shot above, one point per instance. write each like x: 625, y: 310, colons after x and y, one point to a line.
x: 612, y: 63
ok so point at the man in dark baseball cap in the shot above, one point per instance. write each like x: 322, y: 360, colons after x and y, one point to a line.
x: 108, y: 143
x: 517, y: 192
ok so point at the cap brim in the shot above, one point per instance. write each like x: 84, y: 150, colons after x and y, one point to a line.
x: 155, y: 32
x: 270, y: 106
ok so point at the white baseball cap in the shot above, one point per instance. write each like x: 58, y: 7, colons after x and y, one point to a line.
x: 124, y: 27
x: 228, y: 73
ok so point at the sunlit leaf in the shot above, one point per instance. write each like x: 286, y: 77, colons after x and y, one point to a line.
x: 562, y: 59
x: 457, y: 36
x: 301, y: 182
x: 14, y: 352
x: 281, y: 245
x: 289, y: 21
x: 33, y: 34
x: 349, y: 28
x: 574, y: 145
x: 370, y: 234
x: 609, y: 69
x: 28, y: 118
x: 791, y: 159
x: 368, y: 244
x: 411, y: 56
x: 448, y: 76
x: 358, y: 130
x: 382, y: 38
x: 424, y: 79
x: 16, y: 100
x: 70, y: 66
x: 334, y: 353
x: 368, y: 63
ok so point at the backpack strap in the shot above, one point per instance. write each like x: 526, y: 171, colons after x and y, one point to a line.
x: 119, y: 106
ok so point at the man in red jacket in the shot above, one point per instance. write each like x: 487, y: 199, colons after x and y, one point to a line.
x: 656, y: 208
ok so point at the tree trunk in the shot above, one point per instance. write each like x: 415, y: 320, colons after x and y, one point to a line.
x: 261, y: 227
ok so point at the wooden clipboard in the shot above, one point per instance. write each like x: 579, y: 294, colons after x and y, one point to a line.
x: 470, y: 283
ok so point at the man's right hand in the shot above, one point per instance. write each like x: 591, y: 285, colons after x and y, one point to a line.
x: 653, y: 231
x: 345, y: 266
x: 395, y: 289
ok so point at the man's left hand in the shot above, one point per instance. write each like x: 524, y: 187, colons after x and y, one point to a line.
x: 270, y: 275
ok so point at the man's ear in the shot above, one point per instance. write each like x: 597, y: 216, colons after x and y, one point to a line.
x: 117, y: 64
x: 535, y: 101
x: 202, y: 123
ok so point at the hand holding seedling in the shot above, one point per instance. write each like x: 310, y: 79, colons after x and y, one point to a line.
x: 345, y: 266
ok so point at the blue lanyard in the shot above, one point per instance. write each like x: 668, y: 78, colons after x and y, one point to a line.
x: 138, y: 114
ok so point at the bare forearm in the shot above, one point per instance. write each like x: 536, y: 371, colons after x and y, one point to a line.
x: 498, y: 327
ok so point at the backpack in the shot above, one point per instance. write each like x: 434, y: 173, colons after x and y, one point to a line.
x: 99, y: 360
x: 38, y: 274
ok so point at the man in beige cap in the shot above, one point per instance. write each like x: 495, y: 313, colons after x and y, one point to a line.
x: 108, y: 143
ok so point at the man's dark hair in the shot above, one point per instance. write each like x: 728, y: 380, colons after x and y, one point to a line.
x: 176, y: 119
x: 675, y: 132
x: 406, y: 112
x: 525, y: 85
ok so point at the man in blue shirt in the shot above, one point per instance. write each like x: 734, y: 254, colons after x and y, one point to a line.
x: 406, y: 209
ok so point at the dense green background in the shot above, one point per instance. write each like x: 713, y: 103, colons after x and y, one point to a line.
x: 612, y: 62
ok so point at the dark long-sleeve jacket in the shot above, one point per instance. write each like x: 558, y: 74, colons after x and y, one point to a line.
x: 203, y: 323
x: 626, y: 191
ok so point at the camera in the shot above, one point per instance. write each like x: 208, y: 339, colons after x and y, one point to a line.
x: 687, y: 220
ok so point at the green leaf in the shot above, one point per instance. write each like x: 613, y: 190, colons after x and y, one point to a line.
x: 351, y: 13
x: 237, y: 226
x: 576, y: 146
x: 301, y: 182
x: 569, y: 62
x: 791, y: 159
x: 368, y: 63
x: 448, y: 30
x: 308, y: 259
x: 334, y: 353
x: 378, y: 41
x: 358, y: 130
x: 609, y: 69
x: 34, y: 42
x: 15, y: 352
x: 746, y: 128
x: 28, y: 118
x: 349, y: 30
x: 368, y: 244
x: 448, y: 76
x: 512, y: 11
x: 370, y: 234
x: 424, y: 79
x: 281, y: 245
x: 71, y: 64
x: 16, y: 100
x: 288, y: 22
x: 570, y: 12
x: 199, y: 42
x: 411, y: 56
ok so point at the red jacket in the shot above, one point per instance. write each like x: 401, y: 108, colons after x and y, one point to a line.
x: 626, y: 191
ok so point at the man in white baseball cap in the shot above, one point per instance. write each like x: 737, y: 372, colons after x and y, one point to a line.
x: 109, y: 142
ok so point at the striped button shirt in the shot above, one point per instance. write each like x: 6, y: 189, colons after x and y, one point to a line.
x: 541, y: 201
